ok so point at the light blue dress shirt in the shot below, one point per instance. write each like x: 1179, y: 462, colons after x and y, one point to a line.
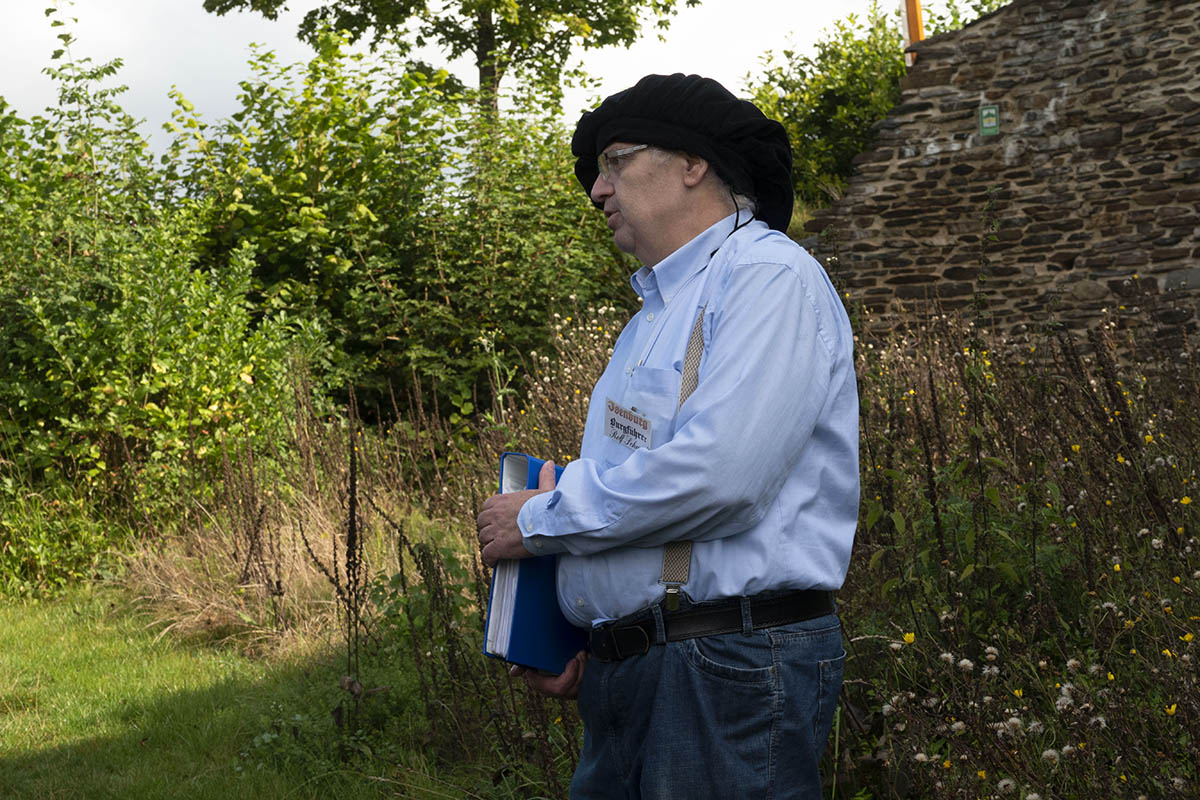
x: 759, y: 467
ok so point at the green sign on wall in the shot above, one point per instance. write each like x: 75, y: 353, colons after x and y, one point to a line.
x: 989, y: 120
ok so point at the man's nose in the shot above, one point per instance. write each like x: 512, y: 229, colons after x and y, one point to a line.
x: 601, y: 189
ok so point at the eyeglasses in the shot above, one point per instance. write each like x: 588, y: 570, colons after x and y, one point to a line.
x: 608, y: 163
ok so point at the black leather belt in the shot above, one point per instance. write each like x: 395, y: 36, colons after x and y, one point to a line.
x: 632, y: 636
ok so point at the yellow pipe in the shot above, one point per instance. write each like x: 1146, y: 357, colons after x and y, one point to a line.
x: 916, y: 30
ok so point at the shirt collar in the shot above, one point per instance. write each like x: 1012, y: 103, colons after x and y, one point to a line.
x: 670, y: 274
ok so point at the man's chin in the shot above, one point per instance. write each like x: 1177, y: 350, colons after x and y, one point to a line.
x: 623, y: 243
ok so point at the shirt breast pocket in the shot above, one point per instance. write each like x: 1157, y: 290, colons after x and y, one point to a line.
x: 655, y: 393
x: 641, y: 415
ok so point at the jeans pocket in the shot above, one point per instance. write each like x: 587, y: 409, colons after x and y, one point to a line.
x: 732, y: 656
x: 827, y: 699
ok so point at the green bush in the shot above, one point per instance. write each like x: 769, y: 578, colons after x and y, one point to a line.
x: 125, y: 367
x: 421, y: 233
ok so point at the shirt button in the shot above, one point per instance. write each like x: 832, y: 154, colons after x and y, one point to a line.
x: 650, y: 317
x: 578, y: 601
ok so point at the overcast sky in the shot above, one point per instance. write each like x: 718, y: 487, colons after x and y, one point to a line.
x: 175, y: 42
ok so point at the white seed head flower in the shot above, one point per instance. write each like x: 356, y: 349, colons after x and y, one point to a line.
x: 920, y: 758
x: 1098, y: 721
x: 1014, y: 723
x: 991, y: 653
x: 1063, y: 702
x: 1068, y: 750
x: 1033, y: 796
x: 888, y: 709
x: 1036, y: 727
x: 966, y: 665
x: 1050, y: 756
x: 1073, y: 664
x: 1006, y: 786
x: 947, y: 657
x: 958, y: 727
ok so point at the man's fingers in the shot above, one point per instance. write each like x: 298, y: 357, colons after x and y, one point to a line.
x: 564, y: 685
x: 546, y: 477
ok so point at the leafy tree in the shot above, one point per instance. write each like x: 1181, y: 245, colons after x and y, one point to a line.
x: 831, y: 101
x: 532, y: 36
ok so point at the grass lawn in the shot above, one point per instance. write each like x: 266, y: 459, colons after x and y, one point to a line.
x: 91, y: 706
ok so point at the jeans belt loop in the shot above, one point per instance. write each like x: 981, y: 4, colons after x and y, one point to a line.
x: 660, y: 630
x: 747, y: 618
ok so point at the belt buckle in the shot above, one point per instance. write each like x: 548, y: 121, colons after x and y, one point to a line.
x: 645, y: 648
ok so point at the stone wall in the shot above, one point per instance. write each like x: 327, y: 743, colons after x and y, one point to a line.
x: 1087, y: 198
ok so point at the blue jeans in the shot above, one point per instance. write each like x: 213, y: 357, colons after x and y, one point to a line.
x: 740, y: 715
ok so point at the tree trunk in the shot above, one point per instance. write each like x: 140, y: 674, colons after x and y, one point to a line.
x: 485, y: 59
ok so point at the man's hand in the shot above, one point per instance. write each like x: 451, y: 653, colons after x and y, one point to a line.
x: 499, y: 536
x: 565, y: 685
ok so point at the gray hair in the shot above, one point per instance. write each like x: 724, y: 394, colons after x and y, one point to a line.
x: 741, y: 202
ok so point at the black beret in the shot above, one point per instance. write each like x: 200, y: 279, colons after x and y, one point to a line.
x: 698, y: 116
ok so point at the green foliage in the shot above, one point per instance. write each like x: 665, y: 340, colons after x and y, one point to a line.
x: 330, y: 174
x: 533, y: 37
x: 124, y: 366
x: 830, y: 102
x: 50, y: 540
x: 417, y: 236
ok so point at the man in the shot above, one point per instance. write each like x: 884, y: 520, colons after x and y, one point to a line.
x: 712, y: 510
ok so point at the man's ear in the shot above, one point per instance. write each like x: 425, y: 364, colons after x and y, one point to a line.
x: 694, y: 170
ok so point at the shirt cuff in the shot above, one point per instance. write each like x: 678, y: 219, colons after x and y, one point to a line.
x: 533, y: 520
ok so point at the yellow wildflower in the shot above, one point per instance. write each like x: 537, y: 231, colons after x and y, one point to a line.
x: 909, y: 638
x: 1170, y: 710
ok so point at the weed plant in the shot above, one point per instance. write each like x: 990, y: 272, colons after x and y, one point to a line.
x: 1021, y: 608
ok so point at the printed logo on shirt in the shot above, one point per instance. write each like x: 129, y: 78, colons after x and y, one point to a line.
x: 626, y: 426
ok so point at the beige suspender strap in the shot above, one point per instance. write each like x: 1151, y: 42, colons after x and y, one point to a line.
x: 677, y: 556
